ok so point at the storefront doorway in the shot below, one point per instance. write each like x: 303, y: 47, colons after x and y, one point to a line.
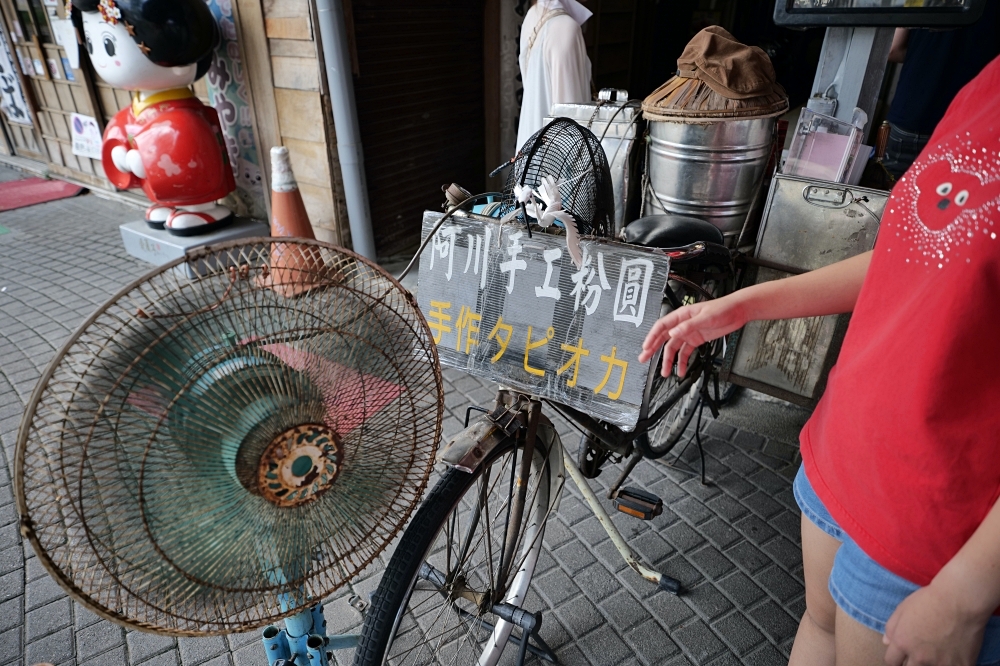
x: 419, y: 91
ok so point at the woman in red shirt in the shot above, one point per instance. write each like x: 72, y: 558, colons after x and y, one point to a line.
x: 900, y: 478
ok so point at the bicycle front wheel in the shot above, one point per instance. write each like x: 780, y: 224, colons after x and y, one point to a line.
x: 435, y: 602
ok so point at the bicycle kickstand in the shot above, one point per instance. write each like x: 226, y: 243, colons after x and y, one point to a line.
x: 529, y: 624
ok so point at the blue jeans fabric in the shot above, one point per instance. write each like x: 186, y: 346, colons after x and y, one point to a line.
x: 864, y: 589
x: 902, y: 149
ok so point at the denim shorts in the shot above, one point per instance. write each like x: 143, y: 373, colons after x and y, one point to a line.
x: 864, y: 589
x: 901, y: 149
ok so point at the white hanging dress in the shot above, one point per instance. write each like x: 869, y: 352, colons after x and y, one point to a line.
x: 555, y: 68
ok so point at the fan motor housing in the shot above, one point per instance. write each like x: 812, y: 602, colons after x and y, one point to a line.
x: 299, y: 465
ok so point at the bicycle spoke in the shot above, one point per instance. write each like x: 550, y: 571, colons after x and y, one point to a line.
x: 444, y: 621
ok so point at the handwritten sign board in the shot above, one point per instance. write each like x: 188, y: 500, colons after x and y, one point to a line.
x: 516, y: 310
x: 12, y: 102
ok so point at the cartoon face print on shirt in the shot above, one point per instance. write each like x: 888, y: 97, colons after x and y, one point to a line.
x: 944, y: 194
x: 949, y: 200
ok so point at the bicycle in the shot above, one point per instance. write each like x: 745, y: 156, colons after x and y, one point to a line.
x: 454, y: 588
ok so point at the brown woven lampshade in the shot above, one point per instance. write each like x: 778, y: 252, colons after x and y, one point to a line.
x: 718, y: 77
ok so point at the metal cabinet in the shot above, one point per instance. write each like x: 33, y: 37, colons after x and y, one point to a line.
x: 807, y: 224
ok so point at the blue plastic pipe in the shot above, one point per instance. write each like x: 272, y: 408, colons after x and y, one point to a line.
x: 300, y: 624
x: 275, y: 644
x: 316, y: 650
x: 318, y: 620
x: 305, y: 636
x: 298, y: 627
x: 297, y: 646
x: 343, y: 641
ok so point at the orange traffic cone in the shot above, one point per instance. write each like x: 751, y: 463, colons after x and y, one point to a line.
x: 294, y: 268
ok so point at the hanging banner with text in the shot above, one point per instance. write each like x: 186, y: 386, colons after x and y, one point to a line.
x: 12, y: 102
x: 516, y: 310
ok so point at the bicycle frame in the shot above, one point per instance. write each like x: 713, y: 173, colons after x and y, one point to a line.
x: 516, y: 415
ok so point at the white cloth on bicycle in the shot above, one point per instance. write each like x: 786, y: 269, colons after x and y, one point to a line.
x: 554, y: 65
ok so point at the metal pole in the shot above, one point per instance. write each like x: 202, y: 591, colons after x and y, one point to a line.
x: 333, y: 33
x: 851, y: 66
x: 515, y: 516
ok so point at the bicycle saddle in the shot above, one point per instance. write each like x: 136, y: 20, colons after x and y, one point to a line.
x: 666, y: 231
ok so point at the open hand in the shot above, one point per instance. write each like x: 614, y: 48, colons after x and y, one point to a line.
x: 931, y: 627
x: 686, y: 328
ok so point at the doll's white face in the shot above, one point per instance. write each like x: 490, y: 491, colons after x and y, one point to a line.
x: 119, y: 61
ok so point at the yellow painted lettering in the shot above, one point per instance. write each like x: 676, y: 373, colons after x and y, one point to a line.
x: 502, y: 343
x: 459, y: 325
x: 577, y: 353
x: 612, y: 364
x: 472, y: 321
x: 440, y: 324
x: 529, y: 345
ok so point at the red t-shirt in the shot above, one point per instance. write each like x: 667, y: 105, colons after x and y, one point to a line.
x: 904, y: 447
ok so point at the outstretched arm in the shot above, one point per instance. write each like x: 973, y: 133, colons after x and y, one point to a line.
x: 832, y: 289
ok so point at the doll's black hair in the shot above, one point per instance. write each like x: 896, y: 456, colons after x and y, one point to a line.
x: 174, y: 32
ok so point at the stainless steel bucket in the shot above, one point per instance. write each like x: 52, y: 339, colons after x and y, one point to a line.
x: 709, y: 169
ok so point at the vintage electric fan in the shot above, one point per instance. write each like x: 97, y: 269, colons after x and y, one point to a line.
x: 208, y: 454
x: 571, y: 158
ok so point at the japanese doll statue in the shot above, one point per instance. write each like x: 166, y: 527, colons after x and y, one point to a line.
x: 166, y: 141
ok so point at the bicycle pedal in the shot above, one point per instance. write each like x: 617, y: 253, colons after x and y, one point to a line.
x: 638, y: 503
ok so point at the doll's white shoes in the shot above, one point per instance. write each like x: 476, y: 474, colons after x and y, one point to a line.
x: 201, y: 219
x: 156, y: 215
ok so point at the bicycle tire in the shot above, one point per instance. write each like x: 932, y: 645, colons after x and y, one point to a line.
x: 665, y: 434
x: 388, y: 611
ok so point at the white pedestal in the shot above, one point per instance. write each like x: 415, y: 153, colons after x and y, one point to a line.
x: 160, y: 247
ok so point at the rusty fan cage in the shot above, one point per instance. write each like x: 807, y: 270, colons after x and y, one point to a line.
x: 208, y: 454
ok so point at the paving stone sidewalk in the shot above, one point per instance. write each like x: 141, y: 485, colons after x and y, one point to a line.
x: 734, y: 543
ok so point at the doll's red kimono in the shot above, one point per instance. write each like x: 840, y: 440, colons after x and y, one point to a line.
x: 181, y: 145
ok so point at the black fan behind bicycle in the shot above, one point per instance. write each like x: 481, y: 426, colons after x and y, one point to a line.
x: 573, y: 156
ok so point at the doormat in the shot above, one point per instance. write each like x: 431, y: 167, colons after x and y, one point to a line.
x: 31, y: 191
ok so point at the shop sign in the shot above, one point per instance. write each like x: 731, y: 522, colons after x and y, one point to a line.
x: 86, y: 136
x: 515, y: 309
x: 12, y: 102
